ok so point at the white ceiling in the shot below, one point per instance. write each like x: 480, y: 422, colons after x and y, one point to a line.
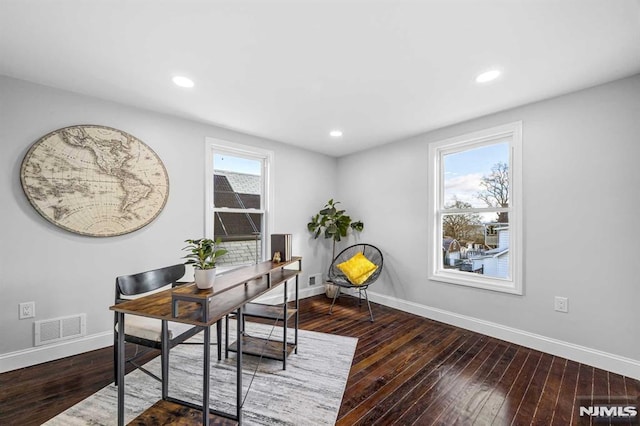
x: 294, y: 70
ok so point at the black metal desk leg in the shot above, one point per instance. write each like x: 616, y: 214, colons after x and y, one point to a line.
x: 120, y: 368
x: 239, y: 369
x: 226, y: 336
x: 206, y: 373
x: 164, y: 359
x: 219, y: 338
x: 284, y: 327
x: 296, y: 319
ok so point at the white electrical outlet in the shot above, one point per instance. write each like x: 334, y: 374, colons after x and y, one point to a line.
x: 27, y: 310
x: 561, y: 304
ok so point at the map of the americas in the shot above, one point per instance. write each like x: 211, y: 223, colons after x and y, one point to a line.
x: 94, y: 180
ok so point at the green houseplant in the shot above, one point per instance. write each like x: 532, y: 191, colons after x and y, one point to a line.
x: 203, y: 254
x: 333, y: 223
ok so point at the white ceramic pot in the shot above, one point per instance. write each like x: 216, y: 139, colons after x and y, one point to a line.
x: 330, y: 290
x: 205, y: 278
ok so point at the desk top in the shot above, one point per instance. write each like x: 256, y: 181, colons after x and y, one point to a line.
x: 233, y: 290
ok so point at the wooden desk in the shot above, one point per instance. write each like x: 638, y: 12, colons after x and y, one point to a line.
x: 201, y: 308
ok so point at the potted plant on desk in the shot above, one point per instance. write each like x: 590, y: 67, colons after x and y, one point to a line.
x: 203, y: 254
x: 335, y: 224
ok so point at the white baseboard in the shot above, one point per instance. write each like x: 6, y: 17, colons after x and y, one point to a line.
x: 311, y: 291
x: 606, y: 361
x: 302, y: 294
x: 593, y: 357
x: 38, y: 355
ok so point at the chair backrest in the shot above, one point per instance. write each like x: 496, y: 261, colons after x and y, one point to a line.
x: 131, y: 285
x: 370, y: 252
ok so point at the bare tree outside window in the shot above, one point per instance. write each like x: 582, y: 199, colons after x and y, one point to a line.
x: 496, y: 189
x: 464, y: 227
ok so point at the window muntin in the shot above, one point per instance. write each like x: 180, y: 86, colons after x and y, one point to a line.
x: 238, y: 194
x: 476, y: 209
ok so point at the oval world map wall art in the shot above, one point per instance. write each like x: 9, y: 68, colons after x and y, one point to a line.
x: 94, y: 180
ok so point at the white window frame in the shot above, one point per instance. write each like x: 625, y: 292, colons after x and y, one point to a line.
x: 437, y: 150
x: 212, y: 146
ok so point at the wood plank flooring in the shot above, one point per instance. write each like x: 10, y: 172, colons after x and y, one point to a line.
x: 406, y: 370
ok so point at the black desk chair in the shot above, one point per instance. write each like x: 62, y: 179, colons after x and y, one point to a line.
x: 339, y: 278
x: 147, y: 331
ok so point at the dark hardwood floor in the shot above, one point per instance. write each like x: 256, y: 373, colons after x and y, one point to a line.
x: 406, y: 370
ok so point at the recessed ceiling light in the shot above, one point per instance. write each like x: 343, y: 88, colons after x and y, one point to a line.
x: 335, y: 133
x: 488, y: 76
x: 183, y: 81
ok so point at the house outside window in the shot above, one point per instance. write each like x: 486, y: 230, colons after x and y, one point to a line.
x: 238, y: 196
x: 476, y: 214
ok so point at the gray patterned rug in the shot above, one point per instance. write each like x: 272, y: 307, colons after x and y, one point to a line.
x: 309, y: 391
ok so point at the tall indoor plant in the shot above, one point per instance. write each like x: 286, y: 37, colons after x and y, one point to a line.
x: 203, y: 254
x: 334, y: 224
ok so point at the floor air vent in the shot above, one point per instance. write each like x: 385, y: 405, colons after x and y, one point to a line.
x: 62, y: 328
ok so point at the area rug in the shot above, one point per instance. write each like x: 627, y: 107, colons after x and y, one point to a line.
x: 309, y: 391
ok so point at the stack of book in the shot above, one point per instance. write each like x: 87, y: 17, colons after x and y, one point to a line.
x: 281, y: 243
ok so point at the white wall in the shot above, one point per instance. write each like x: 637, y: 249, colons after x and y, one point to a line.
x: 68, y: 274
x: 581, y: 181
x: 581, y: 155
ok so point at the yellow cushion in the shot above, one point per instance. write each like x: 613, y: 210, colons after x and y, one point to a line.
x: 358, y: 268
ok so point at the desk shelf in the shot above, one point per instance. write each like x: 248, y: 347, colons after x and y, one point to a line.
x: 203, y: 306
x: 267, y: 348
x: 258, y: 346
x: 278, y: 349
x: 273, y: 312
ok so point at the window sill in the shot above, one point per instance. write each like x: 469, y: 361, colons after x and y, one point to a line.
x: 469, y: 279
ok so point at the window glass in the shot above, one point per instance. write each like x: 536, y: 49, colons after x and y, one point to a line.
x: 237, y: 201
x: 477, y: 177
x: 476, y: 218
x: 238, y: 216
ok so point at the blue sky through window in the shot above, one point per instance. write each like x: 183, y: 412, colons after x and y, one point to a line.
x: 463, y: 171
x: 236, y: 164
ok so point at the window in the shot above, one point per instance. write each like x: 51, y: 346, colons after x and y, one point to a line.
x: 237, y: 200
x: 476, y: 219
